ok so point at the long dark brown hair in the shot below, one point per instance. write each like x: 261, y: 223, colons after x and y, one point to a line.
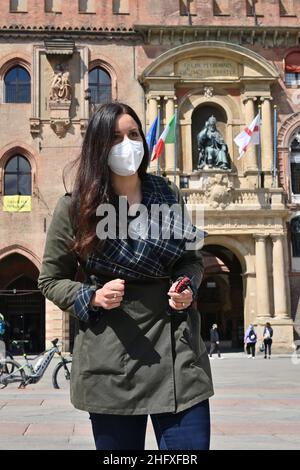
x: 92, y: 185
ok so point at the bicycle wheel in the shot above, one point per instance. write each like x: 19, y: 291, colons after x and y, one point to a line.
x: 61, y: 375
x: 6, y: 377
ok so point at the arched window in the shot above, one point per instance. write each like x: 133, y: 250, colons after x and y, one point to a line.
x: 295, y: 166
x: 292, y: 69
x: 17, y: 86
x: 295, y: 235
x: 17, y: 177
x: 100, y: 86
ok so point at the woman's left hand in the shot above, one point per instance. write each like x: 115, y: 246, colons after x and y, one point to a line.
x: 180, y: 301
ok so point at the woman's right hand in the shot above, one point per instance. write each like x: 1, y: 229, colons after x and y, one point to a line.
x: 110, y: 295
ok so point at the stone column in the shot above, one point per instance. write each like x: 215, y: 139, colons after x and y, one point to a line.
x: 153, y: 104
x: 169, y: 148
x: 262, y: 281
x: 279, y: 278
x: 250, y: 161
x: 266, y: 134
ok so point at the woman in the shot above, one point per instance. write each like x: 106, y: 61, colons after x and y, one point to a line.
x: 214, y: 341
x: 139, y: 349
x: 267, y: 335
x: 250, y: 340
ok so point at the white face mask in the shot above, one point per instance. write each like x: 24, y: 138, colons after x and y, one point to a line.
x: 125, y: 158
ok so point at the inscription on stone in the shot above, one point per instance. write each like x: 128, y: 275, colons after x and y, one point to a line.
x: 207, y: 68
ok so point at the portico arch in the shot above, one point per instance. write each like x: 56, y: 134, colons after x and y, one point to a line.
x: 238, y: 280
x: 220, y: 297
x: 21, y: 302
x: 254, y: 64
x: 240, y: 250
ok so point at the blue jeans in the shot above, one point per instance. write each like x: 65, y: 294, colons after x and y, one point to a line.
x: 186, y: 430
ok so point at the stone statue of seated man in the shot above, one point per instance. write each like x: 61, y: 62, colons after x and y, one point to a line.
x: 211, y: 146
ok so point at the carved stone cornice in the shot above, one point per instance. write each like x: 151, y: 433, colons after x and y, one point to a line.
x: 59, y: 46
x: 266, y: 36
x: 45, y: 31
x: 242, y: 224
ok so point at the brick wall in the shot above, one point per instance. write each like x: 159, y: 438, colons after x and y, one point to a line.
x: 212, y: 12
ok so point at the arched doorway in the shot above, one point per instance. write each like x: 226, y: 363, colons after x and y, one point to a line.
x: 220, y: 298
x: 22, y: 304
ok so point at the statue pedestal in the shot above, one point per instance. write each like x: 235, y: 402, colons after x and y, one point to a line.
x: 198, y: 179
x: 60, y: 116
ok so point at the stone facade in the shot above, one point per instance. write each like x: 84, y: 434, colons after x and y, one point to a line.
x: 193, y: 58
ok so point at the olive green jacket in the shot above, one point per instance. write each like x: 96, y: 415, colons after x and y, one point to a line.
x: 134, y: 359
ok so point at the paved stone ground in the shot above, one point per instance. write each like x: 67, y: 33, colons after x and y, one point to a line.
x: 256, y: 406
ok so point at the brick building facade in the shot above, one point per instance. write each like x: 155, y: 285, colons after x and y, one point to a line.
x: 198, y: 58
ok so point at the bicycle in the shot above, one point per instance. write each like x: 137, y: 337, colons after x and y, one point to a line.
x: 6, y: 355
x: 31, y: 374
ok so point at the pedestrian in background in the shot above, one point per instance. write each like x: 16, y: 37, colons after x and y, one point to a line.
x: 214, y: 341
x: 267, y: 335
x: 250, y: 340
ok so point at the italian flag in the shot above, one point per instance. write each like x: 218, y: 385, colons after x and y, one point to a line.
x: 167, y: 137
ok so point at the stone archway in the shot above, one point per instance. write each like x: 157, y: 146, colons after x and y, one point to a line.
x: 22, y: 303
x: 220, y: 297
x: 285, y: 134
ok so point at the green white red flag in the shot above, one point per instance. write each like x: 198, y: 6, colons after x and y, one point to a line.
x: 167, y: 137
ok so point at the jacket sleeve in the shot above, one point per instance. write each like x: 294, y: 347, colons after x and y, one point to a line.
x: 191, y: 262
x: 59, y: 267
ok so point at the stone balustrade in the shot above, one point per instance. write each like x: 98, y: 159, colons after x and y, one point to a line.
x: 263, y: 198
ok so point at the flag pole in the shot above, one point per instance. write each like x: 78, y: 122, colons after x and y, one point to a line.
x: 175, y: 144
x: 275, y: 148
x: 157, y: 136
x: 259, y: 150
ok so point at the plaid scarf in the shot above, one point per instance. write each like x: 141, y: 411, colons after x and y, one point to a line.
x: 140, y: 258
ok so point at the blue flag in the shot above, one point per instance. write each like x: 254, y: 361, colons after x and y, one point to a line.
x: 151, y: 136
